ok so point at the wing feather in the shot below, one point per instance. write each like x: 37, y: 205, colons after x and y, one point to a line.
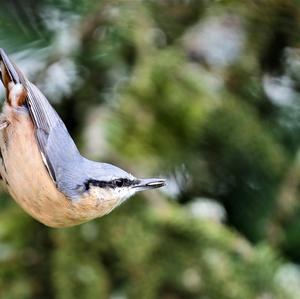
x: 45, y: 118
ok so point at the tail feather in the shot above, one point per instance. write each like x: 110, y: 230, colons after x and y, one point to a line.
x: 9, y: 71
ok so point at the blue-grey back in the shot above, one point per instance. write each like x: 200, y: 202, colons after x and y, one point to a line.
x: 69, y: 170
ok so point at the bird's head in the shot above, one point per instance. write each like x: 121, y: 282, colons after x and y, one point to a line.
x: 108, y: 182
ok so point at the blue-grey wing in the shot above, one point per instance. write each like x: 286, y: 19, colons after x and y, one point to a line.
x: 56, y: 145
x: 59, y: 153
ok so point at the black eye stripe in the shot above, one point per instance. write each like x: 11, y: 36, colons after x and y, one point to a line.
x: 109, y: 184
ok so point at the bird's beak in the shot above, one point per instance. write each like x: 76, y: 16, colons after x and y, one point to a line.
x: 147, y: 184
x: 9, y: 72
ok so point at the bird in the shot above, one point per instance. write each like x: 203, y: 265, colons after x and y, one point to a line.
x: 41, y: 166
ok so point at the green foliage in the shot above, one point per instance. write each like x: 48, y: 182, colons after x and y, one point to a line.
x: 214, y: 125
x: 151, y: 254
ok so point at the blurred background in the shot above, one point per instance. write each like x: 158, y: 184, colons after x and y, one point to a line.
x: 205, y: 93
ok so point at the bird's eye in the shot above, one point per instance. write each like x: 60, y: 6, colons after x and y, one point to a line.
x: 119, y: 183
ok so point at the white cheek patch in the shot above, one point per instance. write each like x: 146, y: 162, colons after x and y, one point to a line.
x: 118, y: 195
x: 124, y: 193
x: 102, y: 194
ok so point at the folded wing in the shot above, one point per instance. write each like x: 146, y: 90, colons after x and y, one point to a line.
x: 51, y: 132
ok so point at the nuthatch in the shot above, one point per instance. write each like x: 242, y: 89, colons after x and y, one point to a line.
x: 42, y: 167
